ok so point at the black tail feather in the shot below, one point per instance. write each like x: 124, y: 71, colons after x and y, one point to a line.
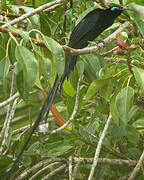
x: 51, y: 95
x: 69, y: 66
x: 46, y: 107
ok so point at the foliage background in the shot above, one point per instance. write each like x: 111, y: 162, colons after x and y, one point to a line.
x: 111, y: 83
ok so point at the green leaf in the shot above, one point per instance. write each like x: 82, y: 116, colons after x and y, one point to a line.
x: 29, y: 64
x: 95, y: 86
x: 141, y: 2
x: 5, y: 160
x: 3, y: 5
x: 4, y: 69
x: 95, y: 62
x: 134, y: 113
x: 67, y: 87
x: 26, y: 70
x: 80, y: 67
x: 71, y: 103
x: 59, y: 150
x: 139, y: 23
x: 44, y: 24
x: 113, y: 109
x: 139, y: 123
x: 107, y: 89
x: 57, y: 52
x: 21, y: 83
x: 118, y: 131
x: 9, y: 138
x: 23, y: 34
x: 2, y: 48
x: 139, y: 9
x: 34, y: 19
x: 123, y: 103
x: 33, y: 149
x: 11, y: 51
x: 38, y: 83
x: 44, y: 66
x: 83, y: 14
x: 39, y: 3
x: 134, y: 153
x: 132, y: 134
x: 139, y: 76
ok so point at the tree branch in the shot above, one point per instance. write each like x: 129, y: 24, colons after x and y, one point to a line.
x: 54, y: 172
x: 87, y: 50
x: 12, y: 98
x: 9, y: 116
x: 70, y: 168
x: 137, y: 168
x: 95, y: 160
x: 33, y: 12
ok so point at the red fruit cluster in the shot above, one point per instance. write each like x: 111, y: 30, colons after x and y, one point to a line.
x: 123, y: 46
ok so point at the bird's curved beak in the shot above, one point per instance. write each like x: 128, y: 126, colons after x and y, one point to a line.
x: 129, y: 9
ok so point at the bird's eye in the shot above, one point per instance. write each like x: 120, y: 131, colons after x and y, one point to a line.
x: 115, y: 8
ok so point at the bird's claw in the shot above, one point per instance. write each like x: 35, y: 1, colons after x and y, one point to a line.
x: 96, y: 43
x: 92, y: 43
x: 101, y: 41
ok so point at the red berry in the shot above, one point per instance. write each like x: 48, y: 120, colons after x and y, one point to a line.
x: 119, y: 51
x: 121, y: 44
x: 132, y: 47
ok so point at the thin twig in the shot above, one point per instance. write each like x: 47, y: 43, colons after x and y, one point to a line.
x: 10, y: 15
x: 86, y: 130
x: 8, y: 110
x: 33, y: 12
x: 40, y: 164
x: 43, y: 170
x: 70, y: 168
x: 95, y: 161
x: 110, y: 51
x: 12, y: 98
x: 9, y: 116
x: 117, y: 162
x: 137, y: 168
x: 75, y: 169
x: 72, y: 116
x: 122, y: 60
x: 8, y: 125
x: 54, y: 172
x: 25, y: 128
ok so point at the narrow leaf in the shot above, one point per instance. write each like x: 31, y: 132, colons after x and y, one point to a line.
x: 26, y: 70
x: 29, y: 64
x: 4, y: 69
x: 139, y: 76
x: 67, y: 87
x: 95, y: 86
x: 123, y: 103
x: 57, y: 52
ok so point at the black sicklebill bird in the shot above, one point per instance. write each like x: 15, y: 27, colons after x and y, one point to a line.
x: 90, y: 27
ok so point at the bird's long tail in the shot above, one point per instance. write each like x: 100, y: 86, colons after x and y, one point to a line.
x: 46, y: 107
x: 69, y: 66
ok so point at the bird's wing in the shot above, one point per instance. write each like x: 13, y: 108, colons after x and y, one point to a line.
x: 84, y: 26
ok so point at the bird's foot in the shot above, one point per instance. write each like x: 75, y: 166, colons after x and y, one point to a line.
x: 96, y: 42
x: 100, y: 41
x: 92, y: 43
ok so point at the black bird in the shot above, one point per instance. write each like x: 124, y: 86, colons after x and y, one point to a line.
x: 90, y: 27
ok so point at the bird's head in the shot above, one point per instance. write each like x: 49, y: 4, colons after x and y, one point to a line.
x: 117, y: 10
